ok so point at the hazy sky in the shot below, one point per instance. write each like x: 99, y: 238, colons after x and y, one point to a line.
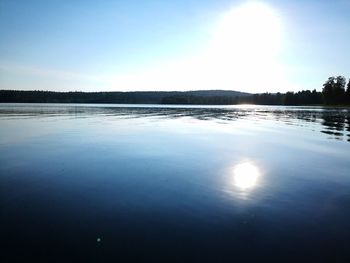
x: 253, y: 46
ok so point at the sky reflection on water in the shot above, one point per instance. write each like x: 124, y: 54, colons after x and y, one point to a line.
x: 212, y: 183
x: 334, y: 122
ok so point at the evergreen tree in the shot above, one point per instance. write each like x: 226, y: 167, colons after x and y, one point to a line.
x: 347, y: 93
x: 339, y: 90
x: 327, y: 90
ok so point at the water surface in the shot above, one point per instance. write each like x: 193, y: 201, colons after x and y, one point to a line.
x: 174, y: 183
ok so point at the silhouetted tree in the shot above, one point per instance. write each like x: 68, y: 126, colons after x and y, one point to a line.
x: 317, y: 97
x: 327, y: 90
x: 304, y: 97
x: 334, y: 91
x: 289, y: 98
x: 339, y: 89
x: 347, y: 93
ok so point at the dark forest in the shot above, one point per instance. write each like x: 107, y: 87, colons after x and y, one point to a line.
x: 335, y: 92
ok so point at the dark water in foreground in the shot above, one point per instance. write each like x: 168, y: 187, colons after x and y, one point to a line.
x: 218, y: 184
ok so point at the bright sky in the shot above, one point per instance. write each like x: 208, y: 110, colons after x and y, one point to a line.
x: 252, y: 46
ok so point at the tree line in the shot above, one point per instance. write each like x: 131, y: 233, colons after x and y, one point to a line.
x: 304, y: 97
x: 335, y: 92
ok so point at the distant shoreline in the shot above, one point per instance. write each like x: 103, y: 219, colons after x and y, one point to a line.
x: 184, y: 105
x: 200, y: 97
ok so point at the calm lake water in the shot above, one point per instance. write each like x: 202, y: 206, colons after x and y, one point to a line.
x: 189, y: 184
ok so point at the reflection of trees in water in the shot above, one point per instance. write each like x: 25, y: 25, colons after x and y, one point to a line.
x: 333, y: 122
x: 348, y: 125
x: 337, y: 124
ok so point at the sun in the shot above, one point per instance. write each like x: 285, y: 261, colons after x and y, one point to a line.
x: 252, y: 29
x: 246, y: 42
x: 242, y: 52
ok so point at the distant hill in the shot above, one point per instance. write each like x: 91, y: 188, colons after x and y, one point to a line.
x: 217, y: 93
x: 199, y: 97
x: 144, y: 97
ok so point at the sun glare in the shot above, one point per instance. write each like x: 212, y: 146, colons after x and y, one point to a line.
x: 241, y: 54
x: 252, y: 29
x: 246, y: 42
x: 245, y: 176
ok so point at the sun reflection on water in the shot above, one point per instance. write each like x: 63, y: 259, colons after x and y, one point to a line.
x: 245, y: 176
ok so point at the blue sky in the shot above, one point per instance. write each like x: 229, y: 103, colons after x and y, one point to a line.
x: 253, y: 46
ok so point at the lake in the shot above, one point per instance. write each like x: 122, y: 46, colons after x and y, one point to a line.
x: 148, y: 183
